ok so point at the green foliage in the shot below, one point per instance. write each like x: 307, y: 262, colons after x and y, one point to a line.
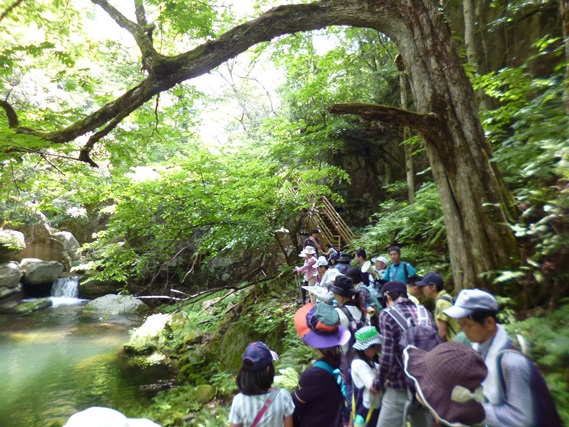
x: 529, y: 133
x: 548, y: 334
x: 418, y: 227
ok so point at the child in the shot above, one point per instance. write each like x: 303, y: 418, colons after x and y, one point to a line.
x: 365, y: 406
x: 308, y: 269
x: 259, y: 405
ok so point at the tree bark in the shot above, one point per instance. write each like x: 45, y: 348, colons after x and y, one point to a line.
x: 474, y: 198
x: 564, y: 10
x: 409, y: 172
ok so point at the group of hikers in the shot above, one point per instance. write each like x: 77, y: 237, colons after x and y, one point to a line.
x: 383, y: 359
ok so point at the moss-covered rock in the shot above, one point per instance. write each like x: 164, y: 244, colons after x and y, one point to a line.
x: 234, y: 342
x: 202, y: 394
x: 33, y: 305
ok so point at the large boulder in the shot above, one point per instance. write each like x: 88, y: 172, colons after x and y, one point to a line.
x: 10, y: 298
x: 11, y: 243
x: 10, y: 275
x: 116, y: 304
x: 38, y: 272
x: 70, y: 244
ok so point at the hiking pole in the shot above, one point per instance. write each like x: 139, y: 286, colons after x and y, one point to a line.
x: 299, y: 285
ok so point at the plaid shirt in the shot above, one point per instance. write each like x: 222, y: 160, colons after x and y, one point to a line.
x: 391, y: 371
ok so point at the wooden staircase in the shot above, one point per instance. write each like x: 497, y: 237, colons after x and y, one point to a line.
x: 333, y: 230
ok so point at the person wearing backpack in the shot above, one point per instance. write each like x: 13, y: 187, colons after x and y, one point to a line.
x: 320, y: 399
x: 365, y: 406
x: 399, y: 270
x: 433, y: 287
x: 516, y: 391
x: 397, y: 323
x: 351, y: 306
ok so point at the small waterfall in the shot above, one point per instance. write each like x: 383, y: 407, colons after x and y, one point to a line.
x: 65, y: 291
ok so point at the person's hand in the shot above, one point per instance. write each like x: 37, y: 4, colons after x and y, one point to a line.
x: 294, y: 271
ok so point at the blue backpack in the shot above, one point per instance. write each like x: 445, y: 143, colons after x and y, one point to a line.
x: 544, y: 410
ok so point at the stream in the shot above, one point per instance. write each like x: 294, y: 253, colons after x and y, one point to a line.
x: 57, y: 361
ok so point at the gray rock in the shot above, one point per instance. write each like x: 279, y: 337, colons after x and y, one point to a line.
x: 38, y: 272
x: 10, y: 275
x: 116, y: 304
x: 11, y: 243
x: 70, y: 244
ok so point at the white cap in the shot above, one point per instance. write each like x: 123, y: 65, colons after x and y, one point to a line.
x: 470, y: 301
x: 379, y: 258
x: 321, y: 262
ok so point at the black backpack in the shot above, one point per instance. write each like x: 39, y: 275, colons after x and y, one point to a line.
x: 544, y: 410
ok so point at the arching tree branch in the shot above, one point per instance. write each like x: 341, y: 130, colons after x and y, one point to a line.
x: 422, y: 123
x: 166, y: 72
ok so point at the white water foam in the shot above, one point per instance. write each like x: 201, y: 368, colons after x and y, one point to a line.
x: 65, y: 291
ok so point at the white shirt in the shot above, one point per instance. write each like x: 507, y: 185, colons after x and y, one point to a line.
x: 245, y: 408
x: 363, y: 376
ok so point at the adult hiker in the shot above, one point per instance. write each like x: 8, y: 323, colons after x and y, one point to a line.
x: 447, y: 381
x: 372, y: 304
x: 516, y: 392
x: 398, y: 270
x: 396, y: 404
x: 433, y: 287
x: 365, y: 406
x: 308, y: 269
x: 326, y: 275
x: 258, y: 403
x: 361, y: 258
x: 343, y: 263
x: 314, y: 241
x: 351, y: 306
x: 379, y: 265
x: 319, y: 399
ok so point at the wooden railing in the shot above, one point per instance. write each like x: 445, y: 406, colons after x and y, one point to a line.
x: 333, y: 230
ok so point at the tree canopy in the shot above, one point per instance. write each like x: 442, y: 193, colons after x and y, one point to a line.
x: 97, y: 110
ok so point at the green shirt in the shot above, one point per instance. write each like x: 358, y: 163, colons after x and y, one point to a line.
x: 444, y: 301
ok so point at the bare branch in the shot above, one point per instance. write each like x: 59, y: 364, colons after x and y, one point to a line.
x: 421, y: 122
x: 149, y: 54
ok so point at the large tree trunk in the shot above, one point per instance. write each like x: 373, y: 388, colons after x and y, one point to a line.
x: 476, y: 203
x: 474, y: 198
x: 564, y: 10
x: 409, y: 172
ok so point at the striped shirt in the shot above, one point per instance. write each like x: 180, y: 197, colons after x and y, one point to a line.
x: 245, y: 408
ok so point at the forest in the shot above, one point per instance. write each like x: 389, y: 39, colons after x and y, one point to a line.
x: 189, y: 146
